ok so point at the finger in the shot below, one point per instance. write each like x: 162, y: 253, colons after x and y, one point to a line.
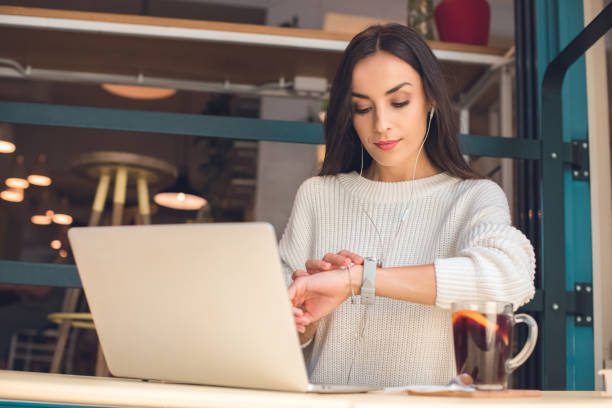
x: 307, y: 318
x: 352, y: 256
x: 298, y: 274
x: 300, y: 328
x: 297, y: 311
x: 296, y: 293
x: 317, y: 265
x: 291, y: 292
x: 337, y: 259
x: 301, y: 321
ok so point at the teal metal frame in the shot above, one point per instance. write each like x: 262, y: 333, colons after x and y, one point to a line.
x: 528, y: 171
x: 568, y: 358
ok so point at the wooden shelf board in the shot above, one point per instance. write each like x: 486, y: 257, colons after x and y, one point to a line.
x: 217, y: 26
x: 133, y: 45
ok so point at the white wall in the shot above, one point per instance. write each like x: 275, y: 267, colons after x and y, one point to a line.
x: 282, y: 167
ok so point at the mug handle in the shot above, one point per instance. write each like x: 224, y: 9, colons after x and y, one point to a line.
x: 530, y: 344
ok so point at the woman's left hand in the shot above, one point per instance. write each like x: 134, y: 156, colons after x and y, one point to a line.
x: 329, y: 262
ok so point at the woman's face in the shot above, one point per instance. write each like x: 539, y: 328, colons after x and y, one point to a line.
x: 389, y: 110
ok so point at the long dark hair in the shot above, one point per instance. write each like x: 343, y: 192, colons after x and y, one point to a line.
x: 343, y: 147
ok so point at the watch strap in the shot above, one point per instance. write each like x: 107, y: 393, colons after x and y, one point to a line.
x: 369, y: 277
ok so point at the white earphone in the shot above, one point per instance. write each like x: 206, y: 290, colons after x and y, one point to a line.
x: 431, y: 113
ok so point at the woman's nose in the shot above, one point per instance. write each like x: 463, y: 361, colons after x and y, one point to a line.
x: 381, y: 121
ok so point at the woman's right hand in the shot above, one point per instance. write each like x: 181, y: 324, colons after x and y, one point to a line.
x: 329, y: 262
x: 300, y: 321
x: 319, y: 294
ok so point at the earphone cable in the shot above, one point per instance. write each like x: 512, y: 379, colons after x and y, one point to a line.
x: 405, y: 212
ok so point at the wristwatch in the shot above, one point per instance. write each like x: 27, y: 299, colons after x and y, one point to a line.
x: 367, y: 285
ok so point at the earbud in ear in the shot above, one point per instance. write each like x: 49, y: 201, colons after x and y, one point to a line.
x: 431, y: 112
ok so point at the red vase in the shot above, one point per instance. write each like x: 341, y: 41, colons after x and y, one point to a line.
x: 463, y: 21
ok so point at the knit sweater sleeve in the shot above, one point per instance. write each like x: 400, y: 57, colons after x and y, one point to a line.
x: 493, y: 260
x: 296, y: 244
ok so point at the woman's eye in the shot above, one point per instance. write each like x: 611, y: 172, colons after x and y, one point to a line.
x: 360, y: 111
x: 400, y: 104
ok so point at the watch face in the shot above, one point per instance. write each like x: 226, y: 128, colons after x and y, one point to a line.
x: 373, y: 260
x: 369, y: 270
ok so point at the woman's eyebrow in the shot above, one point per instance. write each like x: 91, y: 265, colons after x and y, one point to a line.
x: 397, y: 88
x: 390, y: 91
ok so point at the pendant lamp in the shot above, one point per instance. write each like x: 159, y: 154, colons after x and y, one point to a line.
x: 18, y: 176
x: 39, y: 219
x: 138, y: 92
x: 61, y: 214
x: 43, y: 214
x: 7, y: 140
x: 14, y: 195
x: 180, y: 196
x: 39, y: 176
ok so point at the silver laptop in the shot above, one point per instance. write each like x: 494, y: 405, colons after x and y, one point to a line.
x: 196, y: 303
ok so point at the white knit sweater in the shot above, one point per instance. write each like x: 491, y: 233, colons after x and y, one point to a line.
x: 463, y: 227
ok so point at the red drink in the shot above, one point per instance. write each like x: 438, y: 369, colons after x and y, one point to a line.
x: 482, y: 346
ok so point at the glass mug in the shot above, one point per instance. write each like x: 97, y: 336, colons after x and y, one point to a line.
x: 482, y: 334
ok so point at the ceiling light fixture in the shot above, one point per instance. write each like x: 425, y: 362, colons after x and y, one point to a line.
x: 138, y: 92
x: 180, y: 196
x: 39, y: 176
x: 7, y: 140
x: 61, y: 215
x: 18, y: 178
x: 14, y: 195
x: 43, y: 214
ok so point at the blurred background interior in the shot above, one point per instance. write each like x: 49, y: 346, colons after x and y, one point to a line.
x: 224, y: 179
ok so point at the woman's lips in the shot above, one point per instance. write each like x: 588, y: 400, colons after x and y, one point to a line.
x: 388, y: 145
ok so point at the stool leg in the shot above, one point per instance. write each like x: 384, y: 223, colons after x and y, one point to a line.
x: 143, y: 199
x: 70, y: 350
x: 101, y: 366
x: 71, y: 298
x: 117, y: 217
x: 119, y: 197
x: 12, y: 352
x: 100, y: 198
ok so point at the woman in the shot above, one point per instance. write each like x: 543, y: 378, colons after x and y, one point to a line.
x: 394, y: 186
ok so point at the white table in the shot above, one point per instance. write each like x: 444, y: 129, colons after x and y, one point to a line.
x: 102, y: 391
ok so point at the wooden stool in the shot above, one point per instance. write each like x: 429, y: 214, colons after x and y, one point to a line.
x: 128, y: 169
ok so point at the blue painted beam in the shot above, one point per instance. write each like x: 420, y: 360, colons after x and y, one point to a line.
x: 225, y: 127
x: 161, y: 122
x: 491, y: 146
x: 43, y: 274
x: 33, y: 404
